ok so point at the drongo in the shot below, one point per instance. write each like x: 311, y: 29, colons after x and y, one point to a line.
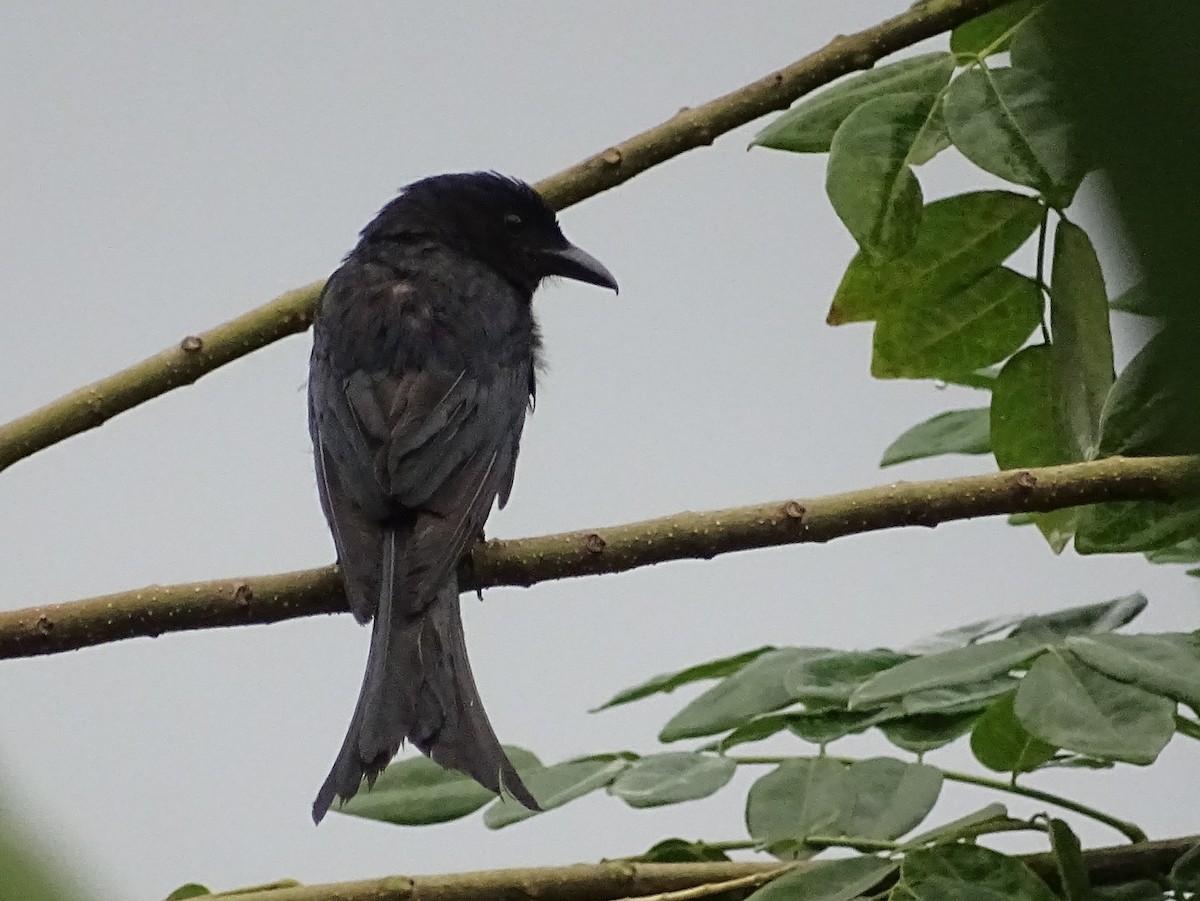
x: 425, y: 351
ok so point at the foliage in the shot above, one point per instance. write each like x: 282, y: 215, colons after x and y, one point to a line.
x: 936, y: 281
x: 1032, y: 693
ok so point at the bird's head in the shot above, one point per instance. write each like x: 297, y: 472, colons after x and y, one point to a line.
x: 500, y: 221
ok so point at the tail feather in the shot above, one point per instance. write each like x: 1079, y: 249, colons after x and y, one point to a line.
x: 466, y: 740
x: 418, y: 687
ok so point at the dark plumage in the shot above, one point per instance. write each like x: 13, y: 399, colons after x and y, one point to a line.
x: 424, y: 354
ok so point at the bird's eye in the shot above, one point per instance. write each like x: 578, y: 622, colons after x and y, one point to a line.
x: 513, y: 222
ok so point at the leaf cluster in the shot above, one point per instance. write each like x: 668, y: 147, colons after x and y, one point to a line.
x: 1064, y: 689
x: 938, y: 282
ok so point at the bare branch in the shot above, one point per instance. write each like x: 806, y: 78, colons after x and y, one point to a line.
x: 197, y: 355
x: 580, y: 882
x: 524, y: 561
x: 617, y: 879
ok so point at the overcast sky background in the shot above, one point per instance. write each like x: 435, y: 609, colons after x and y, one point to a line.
x: 166, y: 167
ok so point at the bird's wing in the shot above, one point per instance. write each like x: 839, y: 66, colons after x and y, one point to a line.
x: 425, y: 450
x: 355, y: 536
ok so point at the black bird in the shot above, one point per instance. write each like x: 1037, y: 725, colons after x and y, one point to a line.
x: 425, y: 350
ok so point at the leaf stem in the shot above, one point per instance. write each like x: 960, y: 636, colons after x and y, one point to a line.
x: 1187, y: 726
x: 866, y: 845
x: 1040, y: 275
x: 1008, y: 824
x: 1130, y: 830
x: 995, y: 45
x: 754, y: 880
x: 741, y: 844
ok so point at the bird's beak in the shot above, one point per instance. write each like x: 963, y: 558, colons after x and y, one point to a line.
x: 571, y: 262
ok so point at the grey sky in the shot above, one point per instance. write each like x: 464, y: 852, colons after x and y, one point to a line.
x: 168, y: 166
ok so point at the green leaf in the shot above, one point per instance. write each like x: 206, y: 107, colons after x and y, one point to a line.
x: 416, y: 792
x: 671, y: 778
x: 1083, y: 348
x: 960, y: 872
x: 922, y: 732
x: 961, y: 636
x: 1186, y: 551
x: 810, y: 125
x: 677, y: 850
x: 1166, y: 664
x: 1005, y: 121
x: 1137, y: 300
x: 29, y: 872
x: 836, y: 880
x: 824, y: 726
x: 1076, y: 762
x: 801, y: 797
x: 926, y: 336
x: 1070, y: 705
x: 887, y: 797
x: 1001, y: 743
x: 1028, y: 428
x: 1030, y: 49
x: 933, y: 138
x: 1068, y: 860
x: 1138, y: 890
x: 960, y: 238
x: 819, y: 726
x: 668, y: 682
x: 960, y: 666
x: 190, y: 890
x: 992, y: 31
x: 554, y: 786
x: 870, y: 181
x: 1130, y: 526
x: 1089, y: 619
x: 952, y: 432
x: 1185, y: 874
x: 757, y: 729
x: 981, y: 379
x: 1150, y: 411
x: 759, y: 687
x: 954, y: 699
x: 832, y: 677
x: 962, y: 826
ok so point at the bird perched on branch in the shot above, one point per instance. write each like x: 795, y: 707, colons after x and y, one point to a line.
x: 425, y: 350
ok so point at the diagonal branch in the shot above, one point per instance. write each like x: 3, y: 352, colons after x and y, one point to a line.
x: 290, y: 313
x: 623, y: 879
x: 524, y: 561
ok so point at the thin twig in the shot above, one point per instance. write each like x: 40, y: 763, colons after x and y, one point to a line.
x: 863, y: 845
x: 524, y: 561
x: 1041, y: 269
x: 196, y: 355
x: 1131, y: 831
x: 754, y: 880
